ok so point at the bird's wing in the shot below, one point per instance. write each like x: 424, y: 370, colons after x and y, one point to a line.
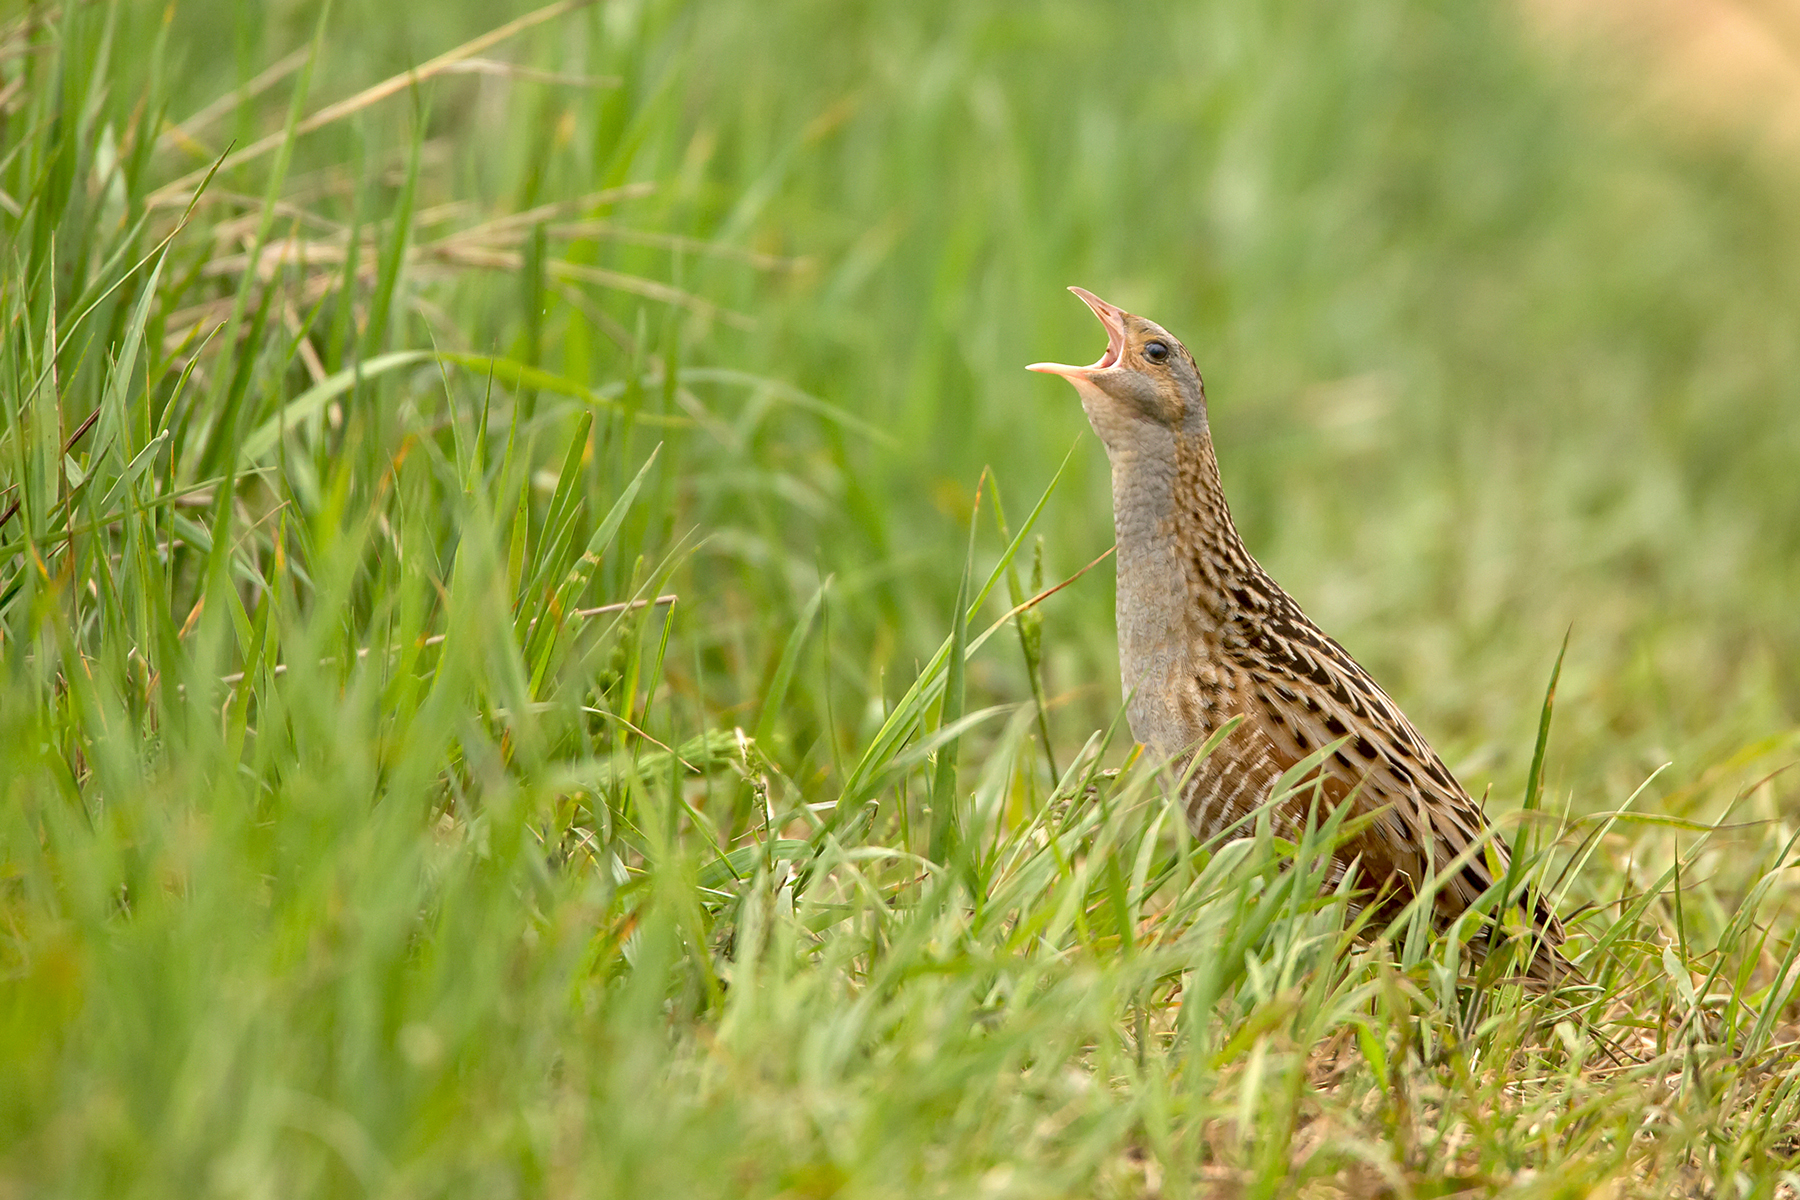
x: 1308, y: 693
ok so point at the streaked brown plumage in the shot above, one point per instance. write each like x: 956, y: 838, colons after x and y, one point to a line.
x: 1205, y: 635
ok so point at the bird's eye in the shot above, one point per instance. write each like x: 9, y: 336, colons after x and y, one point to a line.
x: 1156, y: 351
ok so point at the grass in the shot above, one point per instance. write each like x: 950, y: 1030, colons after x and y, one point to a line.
x: 514, y: 668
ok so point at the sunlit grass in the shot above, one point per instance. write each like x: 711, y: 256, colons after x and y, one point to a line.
x: 547, y: 646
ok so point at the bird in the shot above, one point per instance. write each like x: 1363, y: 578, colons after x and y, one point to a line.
x: 1207, y: 638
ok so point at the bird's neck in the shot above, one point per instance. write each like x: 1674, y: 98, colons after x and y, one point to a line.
x: 1180, y: 556
x: 1181, y: 568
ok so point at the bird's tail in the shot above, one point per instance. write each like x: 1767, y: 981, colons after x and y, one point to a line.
x: 1547, y: 966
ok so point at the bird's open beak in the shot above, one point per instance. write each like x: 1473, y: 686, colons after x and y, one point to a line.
x: 1110, y: 316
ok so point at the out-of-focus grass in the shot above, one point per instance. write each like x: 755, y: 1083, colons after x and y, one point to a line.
x: 373, y: 822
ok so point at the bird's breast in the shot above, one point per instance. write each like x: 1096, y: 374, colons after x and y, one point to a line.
x: 1163, y: 655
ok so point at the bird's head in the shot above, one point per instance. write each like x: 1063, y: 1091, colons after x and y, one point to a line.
x: 1144, y: 389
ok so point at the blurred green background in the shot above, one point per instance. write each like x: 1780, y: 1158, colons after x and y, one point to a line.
x: 1500, y: 344
x: 1493, y: 352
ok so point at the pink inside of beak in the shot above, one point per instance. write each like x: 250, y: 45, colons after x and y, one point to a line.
x: 1110, y: 316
